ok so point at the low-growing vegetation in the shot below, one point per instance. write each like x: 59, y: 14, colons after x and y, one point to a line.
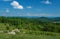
x: 29, y: 28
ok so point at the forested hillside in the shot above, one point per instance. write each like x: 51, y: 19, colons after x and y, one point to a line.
x: 34, y: 24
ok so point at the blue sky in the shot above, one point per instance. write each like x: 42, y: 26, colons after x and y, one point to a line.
x: 47, y: 8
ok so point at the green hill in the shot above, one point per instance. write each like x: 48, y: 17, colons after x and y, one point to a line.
x: 34, y: 28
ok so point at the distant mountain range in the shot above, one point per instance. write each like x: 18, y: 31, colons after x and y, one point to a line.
x: 43, y: 19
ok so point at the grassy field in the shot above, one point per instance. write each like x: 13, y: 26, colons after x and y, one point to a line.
x: 27, y: 36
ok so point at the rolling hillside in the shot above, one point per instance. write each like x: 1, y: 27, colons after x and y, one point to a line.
x: 39, y: 28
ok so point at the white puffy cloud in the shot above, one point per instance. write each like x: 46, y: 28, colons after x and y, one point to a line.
x: 46, y: 2
x: 29, y: 7
x: 16, y: 5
